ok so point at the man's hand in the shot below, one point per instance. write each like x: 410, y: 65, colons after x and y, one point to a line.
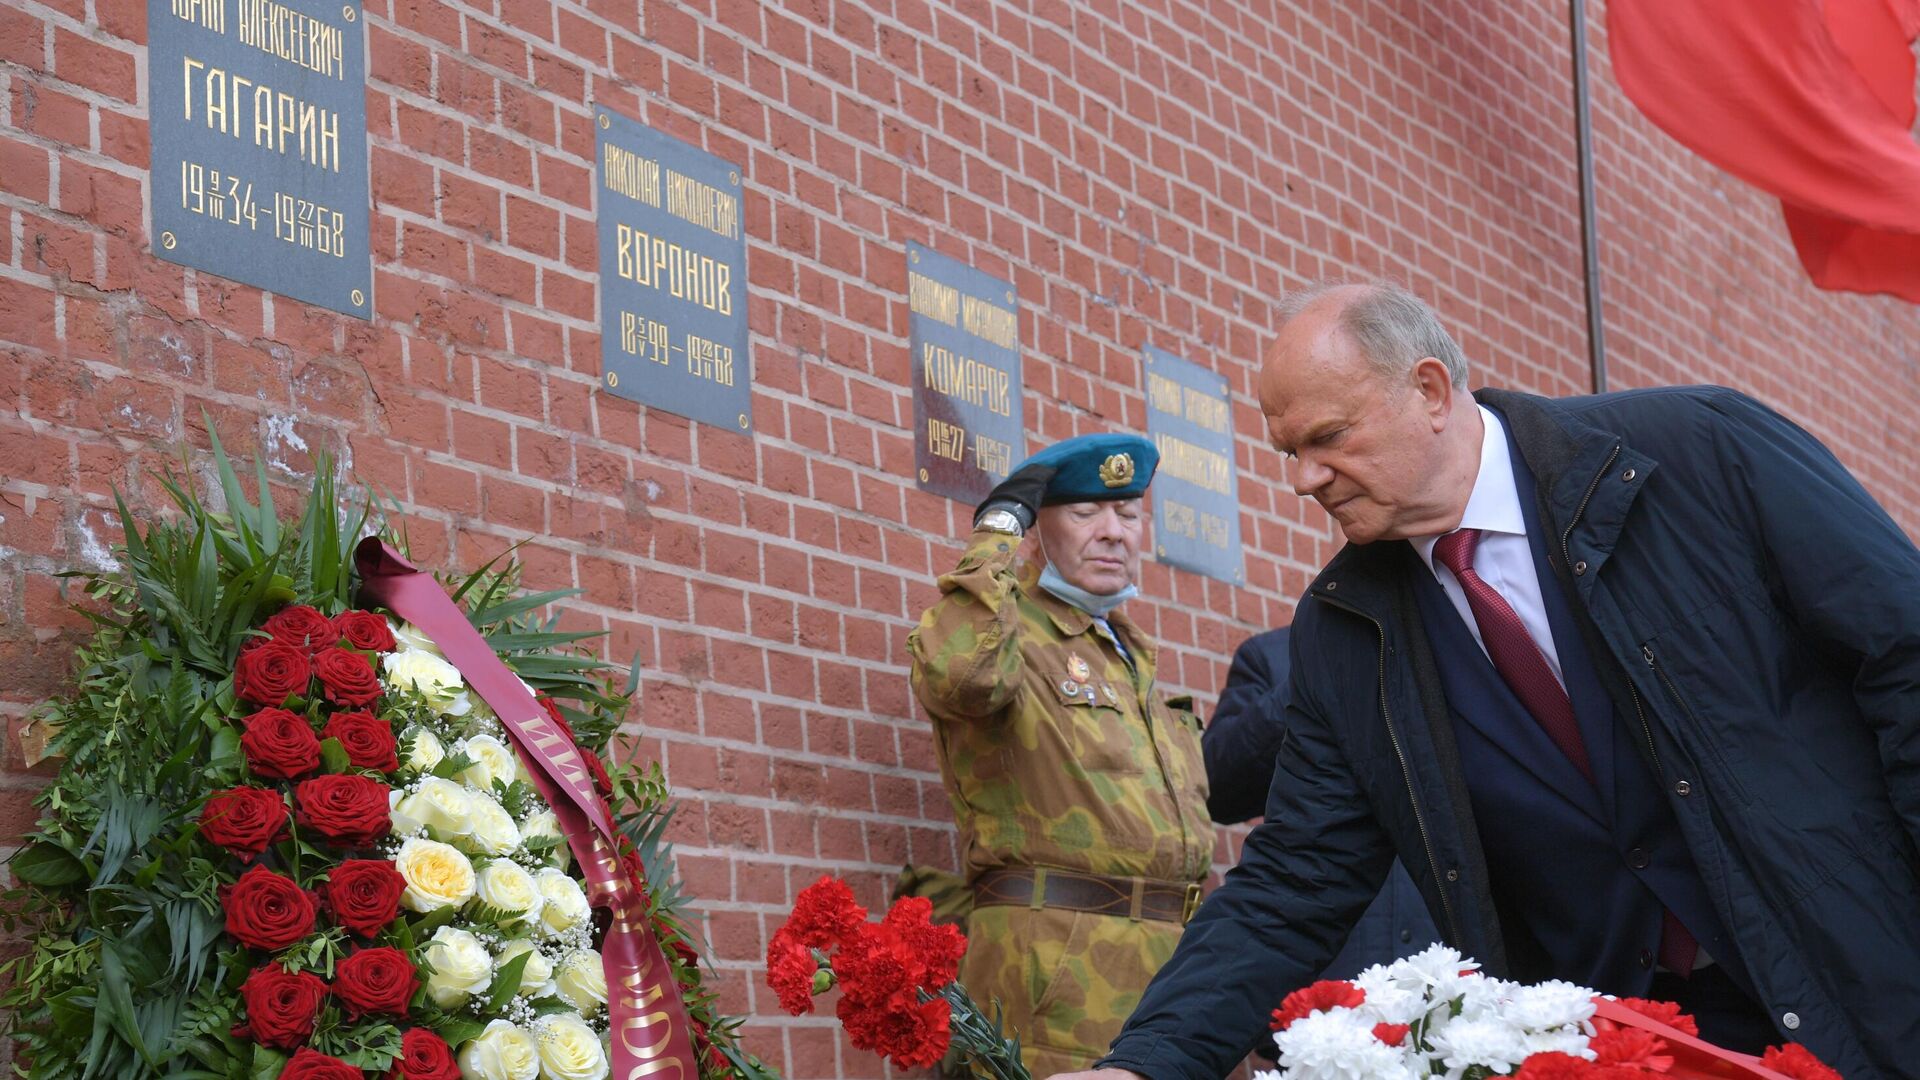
x: 1099, y: 1074
x: 1019, y: 494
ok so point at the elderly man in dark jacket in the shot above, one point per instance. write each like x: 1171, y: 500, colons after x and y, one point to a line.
x: 1240, y: 743
x: 1631, y: 683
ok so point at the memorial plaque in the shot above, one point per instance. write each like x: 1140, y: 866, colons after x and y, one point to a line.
x: 1196, y: 492
x: 259, y: 128
x: 673, y: 275
x: 964, y: 332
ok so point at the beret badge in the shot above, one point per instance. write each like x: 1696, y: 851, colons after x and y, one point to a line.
x: 1117, y: 470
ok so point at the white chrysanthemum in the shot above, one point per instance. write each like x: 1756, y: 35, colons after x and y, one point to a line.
x: 1337, y: 1045
x: 1564, y: 1041
x: 1489, y: 1041
x: 1435, y: 964
x: 1549, y: 1005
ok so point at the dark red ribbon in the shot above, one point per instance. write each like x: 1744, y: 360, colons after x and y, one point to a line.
x: 649, y: 1021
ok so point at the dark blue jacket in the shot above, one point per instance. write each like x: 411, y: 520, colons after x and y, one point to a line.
x: 1239, y: 745
x: 1747, y: 600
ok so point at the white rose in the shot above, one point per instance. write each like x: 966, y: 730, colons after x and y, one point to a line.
x: 493, y: 760
x: 442, y: 805
x: 437, y: 875
x: 507, y: 887
x: 409, y: 637
x: 581, y: 981
x: 490, y: 829
x: 501, y: 1052
x: 546, y: 823
x: 424, y: 751
x: 569, y: 1049
x: 536, y: 979
x: 461, y: 967
x: 434, y: 679
x: 566, y: 906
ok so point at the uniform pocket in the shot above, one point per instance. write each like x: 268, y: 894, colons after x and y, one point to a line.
x: 1098, y: 737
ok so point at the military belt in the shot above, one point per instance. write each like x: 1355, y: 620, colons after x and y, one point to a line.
x: 1069, y: 890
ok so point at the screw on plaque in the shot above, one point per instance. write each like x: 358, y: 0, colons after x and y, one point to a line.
x: 1009, y: 296
x: 913, y: 256
x: 923, y: 476
x: 733, y: 177
x: 167, y: 241
x: 605, y: 122
x: 347, y: 13
x: 743, y: 421
x: 613, y: 378
x: 358, y: 297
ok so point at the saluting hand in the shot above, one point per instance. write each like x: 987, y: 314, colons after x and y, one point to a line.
x: 1019, y: 494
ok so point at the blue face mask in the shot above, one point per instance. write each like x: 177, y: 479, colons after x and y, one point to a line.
x: 1093, y: 604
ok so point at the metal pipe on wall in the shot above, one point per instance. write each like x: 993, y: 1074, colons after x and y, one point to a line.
x: 1589, y: 239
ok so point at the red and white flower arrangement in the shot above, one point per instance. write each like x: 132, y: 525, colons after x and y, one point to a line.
x: 1435, y: 1015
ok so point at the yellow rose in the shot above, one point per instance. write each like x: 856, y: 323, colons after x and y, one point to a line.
x: 461, y: 967
x: 581, y: 981
x: 501, y: 1052
x: 442, y: 805
x: 504, y: 886
x: 492, y: 760
x: 566, y: 905
x: 536, y: 979
x: 437, y: 875
x: 424, y: 751
x: 569, y: 1049
x: 490, y: 829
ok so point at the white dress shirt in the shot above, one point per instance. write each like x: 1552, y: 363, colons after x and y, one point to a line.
x: 1504, y: 558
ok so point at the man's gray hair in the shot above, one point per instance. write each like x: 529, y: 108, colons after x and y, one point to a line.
x: 1393, y: 328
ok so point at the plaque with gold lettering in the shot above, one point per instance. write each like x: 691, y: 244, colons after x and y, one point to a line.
x: 1196, y: 493
x: 964, y: 333
x: 673, y: 275
x: 259, y: 131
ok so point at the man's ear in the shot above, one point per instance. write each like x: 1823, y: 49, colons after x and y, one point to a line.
x: 1434, y: 383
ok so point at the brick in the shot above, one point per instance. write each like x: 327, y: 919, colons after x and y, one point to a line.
x: 94, y: 65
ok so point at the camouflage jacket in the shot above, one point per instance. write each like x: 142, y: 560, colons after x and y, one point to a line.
x: 1055, y: 750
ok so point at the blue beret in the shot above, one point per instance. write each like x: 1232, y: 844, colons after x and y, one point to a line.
x: 1097, y: 468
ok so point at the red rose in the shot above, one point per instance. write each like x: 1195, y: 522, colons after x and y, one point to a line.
x: 349, y: 811
x: 270, y: 673
x: 375, y: 981
x: 244, y: 820
x: 363, y: 895
x: 266, y: 910
x: 347, y: 677
x: 281, y: 1007
x: 424, y: 1056
x: 311, y: 1064
x: 302, y: 627
x: 280, y: 744
x: 364, y: 630
x: 601, y: 781
x: 1323, y: 995
x: 553, y: 710
x: 367, y: 739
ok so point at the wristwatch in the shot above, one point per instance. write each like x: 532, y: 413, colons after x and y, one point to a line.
x: 1000, y: 521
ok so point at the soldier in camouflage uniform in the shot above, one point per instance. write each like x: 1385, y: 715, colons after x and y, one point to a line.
x: 1080, y: 791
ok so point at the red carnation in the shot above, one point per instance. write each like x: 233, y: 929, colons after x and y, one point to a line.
x: 877, y: 963
x: 279, y: 744
x: 364, y: 630
x: 281, y: 1007
x: 824, y: 913
x: 349, y: 811
x: 302, y: 627
x: 915, y: 1035
x: 939, y: 947
x: 244, y: 820
x: 266, y: 910
x: 1391, y: 1034
x: 311, y: 1064
x: 363, y: 895
x: 346, y: 677
x: 1664, y: 1012
x: 1554, y: 1065
x: 1630, y: 1046
x: 790, y: 971
x: 1798, y: 1062
x: 367, y: 739
x: 1323, y: 995
x: 375, y: 981
x: 424, y: 1056
x: 270, y: 674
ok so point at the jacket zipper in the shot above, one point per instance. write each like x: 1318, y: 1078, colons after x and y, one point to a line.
x: 1646, y: 653
x: 1406, y: 773
x: 1566, y: 556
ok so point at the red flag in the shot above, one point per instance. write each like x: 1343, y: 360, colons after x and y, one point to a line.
x: 1811, y: 101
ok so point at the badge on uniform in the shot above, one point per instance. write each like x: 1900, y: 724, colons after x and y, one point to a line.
x: 1077, y: 667
x: 1112, y: 698
x: 1070, y: 688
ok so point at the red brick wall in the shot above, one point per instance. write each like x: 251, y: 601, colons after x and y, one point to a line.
x: 1144, y: 171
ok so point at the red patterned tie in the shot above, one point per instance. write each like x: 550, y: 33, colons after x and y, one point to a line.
x: 1518, y: 659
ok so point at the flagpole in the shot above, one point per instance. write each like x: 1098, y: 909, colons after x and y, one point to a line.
x: 1589, y: 239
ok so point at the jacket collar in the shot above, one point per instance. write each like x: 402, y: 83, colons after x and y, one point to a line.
x: 1572, y: 462
x: 1070, y: 621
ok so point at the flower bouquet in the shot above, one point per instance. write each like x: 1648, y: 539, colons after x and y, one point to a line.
x: 316, y: 820
x: 896, y: 976
x: 1435, y: 1015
